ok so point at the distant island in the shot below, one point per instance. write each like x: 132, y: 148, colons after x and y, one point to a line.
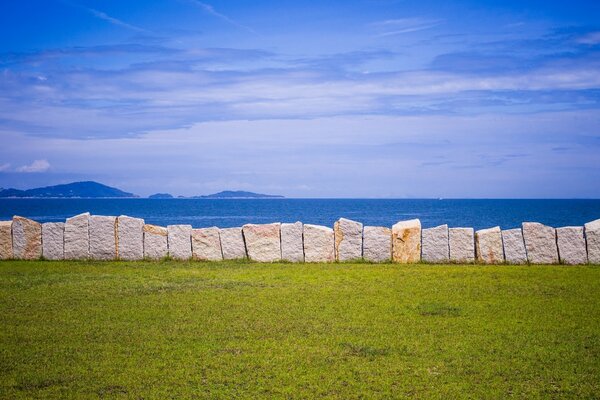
x: 161, y: 196
x: 238, y: 194
x: 86, y: 189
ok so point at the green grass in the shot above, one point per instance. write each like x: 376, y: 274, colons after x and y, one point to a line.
x: 145, y: 330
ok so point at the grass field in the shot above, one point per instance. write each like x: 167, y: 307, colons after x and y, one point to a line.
x: 242, y: 330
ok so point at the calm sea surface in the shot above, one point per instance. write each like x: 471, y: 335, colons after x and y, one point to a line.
x: 233, y: 212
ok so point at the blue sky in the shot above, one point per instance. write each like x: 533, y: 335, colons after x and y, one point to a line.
x: 375, y: 98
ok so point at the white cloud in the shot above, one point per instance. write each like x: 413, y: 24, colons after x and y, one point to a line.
x: 399, y: 26
x: 4, y: 167
x: 36, y: 166
x: 591, y: 38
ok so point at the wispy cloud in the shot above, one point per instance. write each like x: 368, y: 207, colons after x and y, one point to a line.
x: 211, y: 10
x: 4, y: 167
x: 591, y: 38
x: 36, y: 166
x: 399, y: 26
x: 105, y: 17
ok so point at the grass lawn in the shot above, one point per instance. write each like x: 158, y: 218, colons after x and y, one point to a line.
x: 244, y: 330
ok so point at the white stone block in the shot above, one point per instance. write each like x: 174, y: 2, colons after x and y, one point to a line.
x: 155, y: 242
x: 377, y: 243
x: 103, y: 238
x: 348, y: 239
x: 406, y: 241
x: 592, y: 238
x: 514, y: 246
x: 130, y: 243
x: 263, y: 242
x: 232, y: 243
x: 462, y: 245
x: 435, y: 245
x: 488, y: 245
x: 6, y: 244
x: 571, y: 245
x: 53, y: 240
x: 292, y: 244
x: 180, y: 241
x: 319, y: 243
x: 77, y: 239
x: 206, y: 244
x: 540, y: 243
x: 27, y: 238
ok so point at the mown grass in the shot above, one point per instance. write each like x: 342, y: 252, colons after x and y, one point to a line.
x: 147, y: 330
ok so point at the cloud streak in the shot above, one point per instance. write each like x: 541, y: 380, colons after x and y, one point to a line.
x: 211, y: 10
x: 35, y: 166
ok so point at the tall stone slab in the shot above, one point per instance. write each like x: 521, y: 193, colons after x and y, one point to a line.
x: 377, y: 243
x: 292, y: 244
x: 571, y: 245
x: 435, y: 244
x: 130, y: 234
x: 406, y: 241
x: 27, y: 238
x: 540, y: 243
x: 53, y: 240
x: 6, y: 244
x: 103, y: 237
x: 263, y: 242
x: 155, y: 242
x: 488, y: 246
x: 462, y: 245
x: 77, y: 239
x: 180, y: 241
x: 206, y: 244
x: 348, y: 239
x: 232, y: 243
x: 319, y: 243
x: 514, y: 246
x: 592, y: 239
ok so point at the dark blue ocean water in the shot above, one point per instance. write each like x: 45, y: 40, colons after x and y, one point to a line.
x: 227, y: 213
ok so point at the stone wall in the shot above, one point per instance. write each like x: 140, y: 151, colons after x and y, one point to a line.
x: 99, y: 237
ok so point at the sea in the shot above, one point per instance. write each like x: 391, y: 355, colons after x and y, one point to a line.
x: 476, y: 213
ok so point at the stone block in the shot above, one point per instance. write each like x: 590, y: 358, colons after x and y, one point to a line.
x: 435, y: 245
x: 103, y: 237
x: 263, y: 242
x: 319, y: 243
x: 348, y: 239
x: 488, y: 246
x: 130, y: 243
x: 592, y: 239
x: 53, y: 240
x: 27, y: 238
x: 180, y: 241
x: 292, y: 244
x: 377, y: 243
x: 206, y: 244
x: 406, y: 241
x: 514, y: 246
x: 155, y: 242
x: 6, y: 244
x: 462, y: 245
x: 540, y: 243
x: 77, y: 237
x: 232, y: 243
x: 571, y: 245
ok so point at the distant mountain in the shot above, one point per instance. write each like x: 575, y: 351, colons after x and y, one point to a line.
x: 238, y: 194
x: 161, y: 196
x: 87, y: 189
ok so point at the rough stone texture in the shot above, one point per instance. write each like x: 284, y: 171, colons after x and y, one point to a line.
x: 206, y: 244
x: 348, y: 239
x: 406, y: 241
x: 6, y: 250
x: 53, y: 240
x: 488, y: 245
x: 77, y: 239
x: 27, y: 239
x: 592, y: 238
x: 571, y: 245
x: 319, y: 243
x: 103, y: 238
x: 232, y: 243
x: 377, y: 243
x: 462, y: 245
x: 514, y: 246
x: 155, y: 242
x: 292, y: 244
x: 130, y: 243
x: 180, y: 241
x: 540, y: 242
x: 435, y: 244
x: 263, y: 242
